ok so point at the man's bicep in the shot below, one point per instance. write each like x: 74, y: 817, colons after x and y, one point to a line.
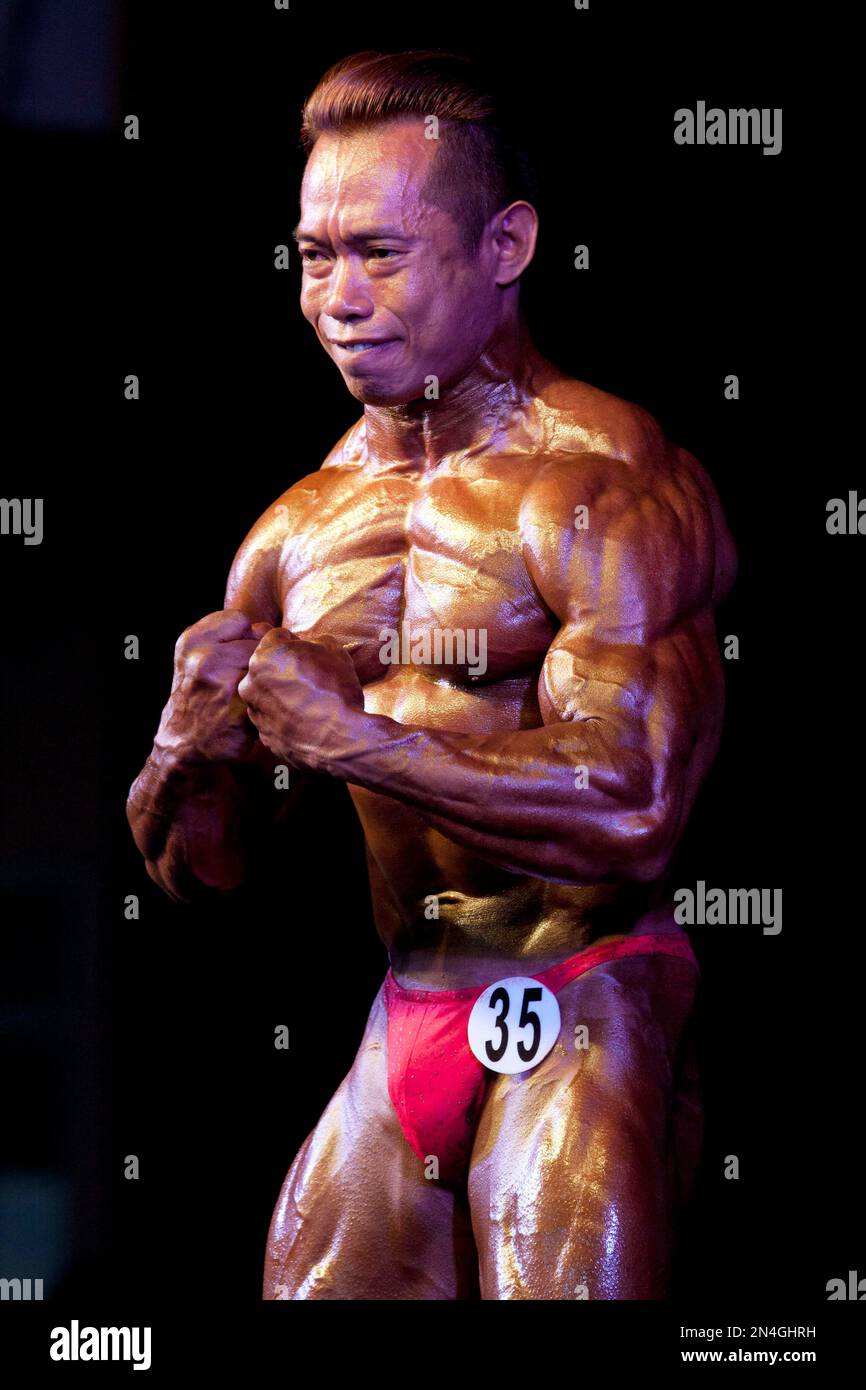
x: 586, y: 677
x: 631, y: 585
x: 657, y: 704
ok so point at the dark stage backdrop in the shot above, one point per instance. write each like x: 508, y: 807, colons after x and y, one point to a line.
x: 154, y: 1036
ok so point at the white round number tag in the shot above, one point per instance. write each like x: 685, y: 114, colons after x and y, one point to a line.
x: 514, y: 1024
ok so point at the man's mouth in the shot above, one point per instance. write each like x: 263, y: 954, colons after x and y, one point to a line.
x: 363, y: 344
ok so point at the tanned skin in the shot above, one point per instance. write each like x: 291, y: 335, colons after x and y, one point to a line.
x: 462, y: 512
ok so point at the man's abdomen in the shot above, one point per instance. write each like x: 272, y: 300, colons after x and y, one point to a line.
x: 450, y: 919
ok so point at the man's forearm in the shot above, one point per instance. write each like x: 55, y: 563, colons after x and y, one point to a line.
x: 518, y: 799
x: 201, y: 825
x: 184, y: 821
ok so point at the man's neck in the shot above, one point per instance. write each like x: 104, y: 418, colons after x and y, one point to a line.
x: 475, y: 414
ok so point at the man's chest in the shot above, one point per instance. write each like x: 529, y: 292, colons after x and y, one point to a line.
x: 423, y: 573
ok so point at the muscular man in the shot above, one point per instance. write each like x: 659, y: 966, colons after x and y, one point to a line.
x: 521, y: 793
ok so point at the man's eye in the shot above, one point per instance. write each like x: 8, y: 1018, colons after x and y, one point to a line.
x: 308, y: 255
x: 381, y: 251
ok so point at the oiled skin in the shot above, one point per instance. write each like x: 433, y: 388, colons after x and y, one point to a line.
x: 611, y: 625
x: 602, y: 654
x: 574, y: 1173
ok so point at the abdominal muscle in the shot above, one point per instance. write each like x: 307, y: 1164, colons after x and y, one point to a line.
x: 449, y: 919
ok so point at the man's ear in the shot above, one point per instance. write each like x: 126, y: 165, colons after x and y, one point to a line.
x: 515, y: 233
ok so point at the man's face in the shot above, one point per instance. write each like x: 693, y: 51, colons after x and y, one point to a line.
x: 382, y: 264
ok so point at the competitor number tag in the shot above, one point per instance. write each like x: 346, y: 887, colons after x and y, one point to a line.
x: 514, y: 1024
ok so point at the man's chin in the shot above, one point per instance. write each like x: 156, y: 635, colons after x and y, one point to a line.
x: 380, y: 393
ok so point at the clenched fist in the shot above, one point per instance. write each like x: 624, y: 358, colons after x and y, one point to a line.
x: 205, y: 720
x: 302, y: 697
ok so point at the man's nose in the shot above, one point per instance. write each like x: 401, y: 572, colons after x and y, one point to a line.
x: 347, y: 296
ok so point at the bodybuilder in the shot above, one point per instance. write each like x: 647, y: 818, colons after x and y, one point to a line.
x: 520, y: 809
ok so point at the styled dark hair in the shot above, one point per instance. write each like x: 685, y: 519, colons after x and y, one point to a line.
x: 481, y: 165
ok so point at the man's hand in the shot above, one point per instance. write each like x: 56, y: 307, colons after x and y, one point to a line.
x: 204, y: 800
x: 204, y: 720
x: 302, y: 698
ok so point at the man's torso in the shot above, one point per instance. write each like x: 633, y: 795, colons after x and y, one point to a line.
x: 407, y: 567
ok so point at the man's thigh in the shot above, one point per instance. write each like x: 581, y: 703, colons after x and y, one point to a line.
x: 574, y: 1170
x: 356, y: 1217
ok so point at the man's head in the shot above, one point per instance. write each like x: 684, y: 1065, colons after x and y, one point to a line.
x: 415, y: 223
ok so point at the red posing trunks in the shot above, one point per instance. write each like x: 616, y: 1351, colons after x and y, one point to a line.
x: 436, y: 1083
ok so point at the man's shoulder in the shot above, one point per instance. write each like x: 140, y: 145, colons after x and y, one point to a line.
x: 302, y: 499
x: 594, y: 442
x: 579, y: 420
x: 254, y: 572
x: 607, y: 475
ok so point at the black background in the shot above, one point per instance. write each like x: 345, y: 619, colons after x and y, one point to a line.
x: 155, y: 1037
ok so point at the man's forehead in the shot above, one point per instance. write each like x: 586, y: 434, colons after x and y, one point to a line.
x: 380, y: 167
